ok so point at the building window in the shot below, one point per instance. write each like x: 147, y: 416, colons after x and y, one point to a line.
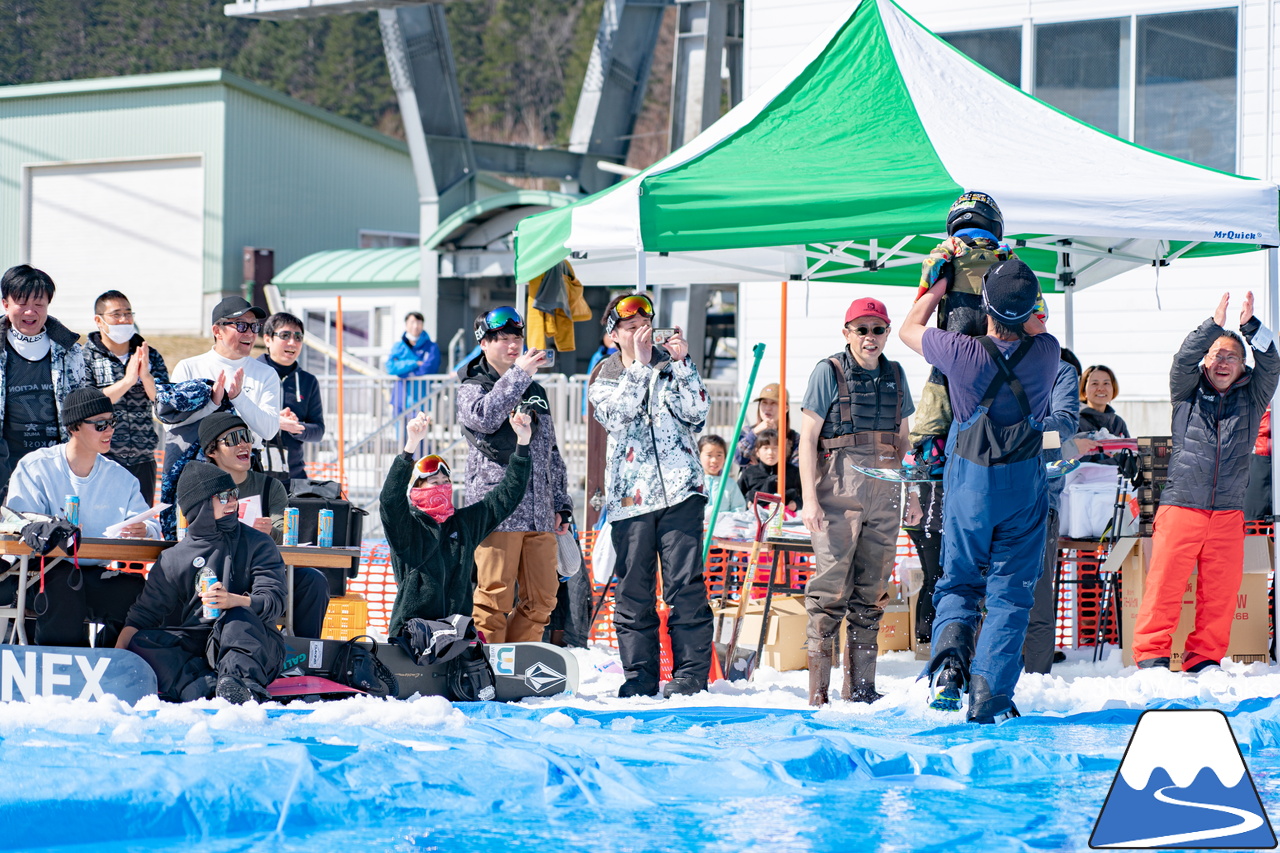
x: 1185, y: 101
x: 386, y: 240
x: 1081, y: 68
x: 1000, y: 51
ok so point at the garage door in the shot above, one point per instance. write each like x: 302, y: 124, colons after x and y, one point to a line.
x: 136, y: 227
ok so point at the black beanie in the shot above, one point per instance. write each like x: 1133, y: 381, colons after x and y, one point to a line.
x: 199, y: 482
x: 1009, y: 292
x: 83, y: 403
x: 216, y: 424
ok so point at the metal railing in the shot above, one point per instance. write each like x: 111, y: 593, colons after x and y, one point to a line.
x: 375, y: 413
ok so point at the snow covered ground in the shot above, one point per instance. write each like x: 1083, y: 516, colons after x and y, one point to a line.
x: 741, y: 767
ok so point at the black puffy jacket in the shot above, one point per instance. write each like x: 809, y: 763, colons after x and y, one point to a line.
x: 1213, y: 433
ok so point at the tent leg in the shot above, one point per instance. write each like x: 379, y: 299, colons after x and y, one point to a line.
x: 1069, y: 338
x: 641, y: 272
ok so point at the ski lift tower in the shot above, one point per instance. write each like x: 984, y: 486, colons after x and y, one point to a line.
x: 446, y: 161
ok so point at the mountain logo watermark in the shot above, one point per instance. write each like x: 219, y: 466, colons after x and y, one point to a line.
x: 1183, y: 783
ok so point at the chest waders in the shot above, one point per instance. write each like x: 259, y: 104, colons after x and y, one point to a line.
x: 994, y: 515
x: 855, y: 550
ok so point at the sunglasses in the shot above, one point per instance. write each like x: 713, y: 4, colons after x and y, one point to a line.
x: 103, y: 426
x: 241, y: 326
x: 863, y: 331
x: 235, y: 438
x: 290, y: 336
x: 499, y: 318
x: 636, y: 305
x: 227, y: 496
x: 428, y: 465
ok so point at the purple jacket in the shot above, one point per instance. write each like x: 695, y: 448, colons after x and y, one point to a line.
x: 486, y: 411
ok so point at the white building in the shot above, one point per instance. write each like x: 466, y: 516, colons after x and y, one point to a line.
x: 1184, y: 77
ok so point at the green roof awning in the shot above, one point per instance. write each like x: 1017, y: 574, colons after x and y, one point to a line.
x: 352, y: 268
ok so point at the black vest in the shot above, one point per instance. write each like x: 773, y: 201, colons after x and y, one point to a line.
x: 501, y: 443
x: 874, y: 403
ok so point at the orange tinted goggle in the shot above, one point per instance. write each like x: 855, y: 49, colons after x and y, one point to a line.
x: 428, y: 465
x: 632, y: 306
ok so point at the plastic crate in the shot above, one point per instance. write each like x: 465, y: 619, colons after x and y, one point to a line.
x: 347, y: 617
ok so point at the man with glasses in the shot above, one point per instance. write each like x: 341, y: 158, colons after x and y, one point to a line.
x: 41, y: 364
x: 651, y: 401
x: 302, y: 415
x: 520, y: 555
x: 127, y: 370
x: 226, y: 441
x: 108, y: 494
x: 855, y: 412
x: 1217, y: 407
x: 235, y: 652
x: 238, y: 382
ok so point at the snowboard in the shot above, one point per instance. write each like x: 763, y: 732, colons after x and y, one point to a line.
x: 522, y: 670
x: 1052, y: 470
x: 309, y: 688
x: 81, y: 673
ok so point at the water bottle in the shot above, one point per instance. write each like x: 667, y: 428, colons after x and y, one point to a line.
x: 207, y: 578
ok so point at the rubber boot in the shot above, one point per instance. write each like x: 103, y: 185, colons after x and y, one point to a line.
x: 821, y: 653
x: 984, y: 708
x: 860, y: 673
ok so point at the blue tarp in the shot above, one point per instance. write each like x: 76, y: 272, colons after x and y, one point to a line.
x: 502, y: 777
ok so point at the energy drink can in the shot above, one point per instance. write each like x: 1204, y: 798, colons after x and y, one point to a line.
x: 182, y: 526
x: 208, y: 578
x: 291, y: 526
x: 324, y: 529
x: 72, y: 509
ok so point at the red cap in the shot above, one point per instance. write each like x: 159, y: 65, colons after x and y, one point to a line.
x: 866, y: 307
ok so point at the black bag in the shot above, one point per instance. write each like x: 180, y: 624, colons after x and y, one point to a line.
x: 348, y: 521
x: 357, y: 666
x: 452, y: 641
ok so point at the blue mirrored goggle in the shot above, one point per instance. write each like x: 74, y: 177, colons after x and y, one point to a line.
x: 499, y: 318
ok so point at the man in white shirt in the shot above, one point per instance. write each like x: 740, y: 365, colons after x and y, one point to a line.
x: 108, y: 494
x: 249, y: 387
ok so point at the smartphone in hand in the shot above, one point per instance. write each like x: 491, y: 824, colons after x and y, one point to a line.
x: 548, y: 358
x: 661, y: 336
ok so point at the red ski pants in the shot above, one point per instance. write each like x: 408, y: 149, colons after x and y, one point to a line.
x: 1184, y: 539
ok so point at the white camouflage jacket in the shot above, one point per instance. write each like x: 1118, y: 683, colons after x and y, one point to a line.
x: 652, y: 413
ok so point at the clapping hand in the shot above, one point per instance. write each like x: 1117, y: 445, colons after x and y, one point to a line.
x: 1246, y: 310
x: 289, y: 422
x: 219, y: 389
x: 523, y: 426
x: 233, y: 390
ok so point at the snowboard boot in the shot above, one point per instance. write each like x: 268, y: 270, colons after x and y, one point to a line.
x: 948, y: 670
x: 683, y: 685
x: 633, y: 687
x: 1154, y: 663
x: 984, y: 708
x: 821, y: 654
x: 860, y: 673
x: 239, y: 691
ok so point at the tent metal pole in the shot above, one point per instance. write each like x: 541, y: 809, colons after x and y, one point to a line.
x: 641, y: 273
x: 1273, y: 322
x: 1069, y: 338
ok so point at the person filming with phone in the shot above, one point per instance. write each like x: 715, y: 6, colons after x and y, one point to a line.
x: 651, y: 401
x: 520, y: 554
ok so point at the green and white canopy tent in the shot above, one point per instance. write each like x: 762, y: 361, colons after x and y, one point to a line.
x: 843, y: 167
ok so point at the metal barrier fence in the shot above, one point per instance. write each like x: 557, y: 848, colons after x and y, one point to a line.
x: 376, y: 410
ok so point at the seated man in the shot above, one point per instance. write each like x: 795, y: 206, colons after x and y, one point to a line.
x: 432, y: 545
x: 108, y: 494
x: 167, y: 627
x: 228, y: 443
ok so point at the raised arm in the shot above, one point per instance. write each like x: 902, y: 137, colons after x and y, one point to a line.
x: 393, y: 504
x: 1184, y: 376
x: 911, y: 332
x: 481, y: 518
x: 619, y: 401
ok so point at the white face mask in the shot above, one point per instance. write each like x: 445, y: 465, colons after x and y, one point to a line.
x: 122, y: 333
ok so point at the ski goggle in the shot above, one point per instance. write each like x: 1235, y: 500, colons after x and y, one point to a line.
x: 428, y: 465
x: 499, y: 318
x: 636, y: 305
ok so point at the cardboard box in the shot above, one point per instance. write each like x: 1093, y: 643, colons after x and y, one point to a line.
x: 785, y: 645
x: 1249, y: 632
x: 895, y: 628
